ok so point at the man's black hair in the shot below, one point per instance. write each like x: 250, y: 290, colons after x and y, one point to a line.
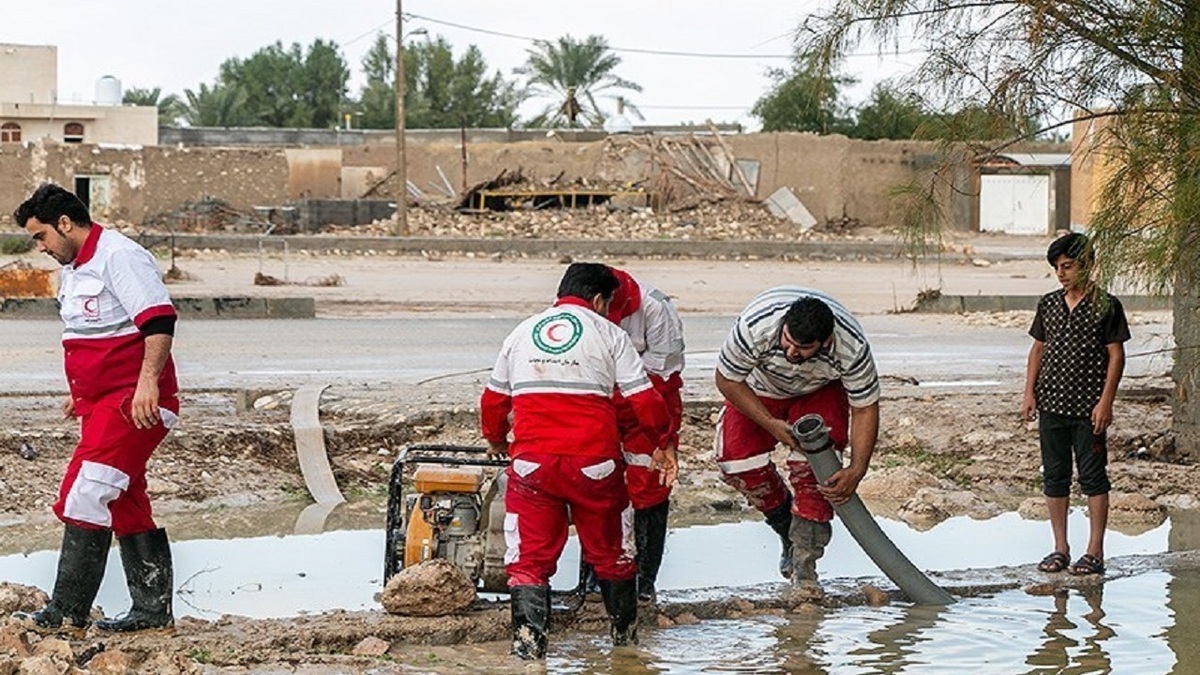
x: 585, y: 280
x: 49, y: 203
x: 809, y: 320
x: 1073, y: 245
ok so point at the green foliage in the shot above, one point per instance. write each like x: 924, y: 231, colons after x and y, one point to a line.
x: 572, y: 74
x: 218, y: 106
x: 889, y: 113
x: 170, y: 107
x: 289, y: 86
x: 804, y: 99
x: 377, y: 100
x: 440, y: 91
x: 16, y: 245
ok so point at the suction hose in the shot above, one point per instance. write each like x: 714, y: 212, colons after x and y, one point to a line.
x: 813, y: 436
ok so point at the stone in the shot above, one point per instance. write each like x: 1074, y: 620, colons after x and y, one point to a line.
x: 896, y: 482
x: 19, y: 598
x: 875, y: 596
x: 13, y: 641
x: 371, y: 646
x: 113, y: 662
x: 433, y: 588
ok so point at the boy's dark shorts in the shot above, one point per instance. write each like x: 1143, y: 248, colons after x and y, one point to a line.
x: 1066, y: 438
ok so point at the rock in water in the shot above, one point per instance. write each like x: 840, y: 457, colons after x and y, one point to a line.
x: 432, y: 588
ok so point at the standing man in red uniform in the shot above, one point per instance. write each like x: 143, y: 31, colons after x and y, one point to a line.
x: 649, y: 317
x: 556, y: 376
x: 119, y: 328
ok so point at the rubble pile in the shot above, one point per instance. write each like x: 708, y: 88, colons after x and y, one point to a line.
x: 207, y: 214
x: 703, y: 221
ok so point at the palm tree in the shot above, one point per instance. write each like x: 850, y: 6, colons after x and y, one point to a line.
x: 220, y: 106
x: 573, y: 74
x: 169, y: 107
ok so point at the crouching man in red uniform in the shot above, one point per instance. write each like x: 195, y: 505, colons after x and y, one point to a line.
x: 556, y: 375
x: 119, y: 327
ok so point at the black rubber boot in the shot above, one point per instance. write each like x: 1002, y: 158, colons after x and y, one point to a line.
x: 530, y: 621
x: 780, y: 520
x: 588, y: 582
x: 809, y: 539
x: 650, y: 535
x: 620, y: 599
x: 146, y: 557
x: 81, y: 564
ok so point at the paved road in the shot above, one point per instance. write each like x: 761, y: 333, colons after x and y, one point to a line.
x: 937, y: 350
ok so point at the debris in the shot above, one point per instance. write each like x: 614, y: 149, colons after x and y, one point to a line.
x: 783, y: 203
x: 435, y: 587
x: 371, y: 646
x: 28, y: 452
x: 261, y: 279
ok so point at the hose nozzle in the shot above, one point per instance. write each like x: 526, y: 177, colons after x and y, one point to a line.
x: 812, y: 434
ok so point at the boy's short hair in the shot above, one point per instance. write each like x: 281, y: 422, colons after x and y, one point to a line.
x: 1074, y: 246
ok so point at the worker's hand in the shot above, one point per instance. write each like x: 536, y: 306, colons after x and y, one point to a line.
x: 68, y: 407
x: 841, y: 485
x: 1102, y: 416
x: 500, y: 448
x: 144, y: 406
x: 782, y: 431
x: 664, y: 461
x: 1028, y: 408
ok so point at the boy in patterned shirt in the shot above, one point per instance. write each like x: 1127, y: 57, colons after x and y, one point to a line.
x: 1074, y: 367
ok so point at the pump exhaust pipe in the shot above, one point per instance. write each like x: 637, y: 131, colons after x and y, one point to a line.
x: 813, y: 437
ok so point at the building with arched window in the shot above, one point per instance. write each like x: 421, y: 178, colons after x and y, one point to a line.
x: 31, y: 108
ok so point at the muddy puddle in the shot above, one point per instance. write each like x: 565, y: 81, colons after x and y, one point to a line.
x: 252, y: 562
x: 224, y: 565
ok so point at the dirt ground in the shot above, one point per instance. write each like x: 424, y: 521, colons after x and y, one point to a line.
x: 939, y: 455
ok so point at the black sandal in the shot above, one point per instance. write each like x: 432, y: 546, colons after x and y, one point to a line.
x: 1086, y: 565
x: 1053, y: 563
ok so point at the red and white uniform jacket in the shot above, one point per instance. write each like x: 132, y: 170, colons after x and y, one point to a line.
x: 112, y: 288
x: 649, y: 317
x: 556, y: 374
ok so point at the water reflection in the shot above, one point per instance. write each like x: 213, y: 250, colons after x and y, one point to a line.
x: 1139, y: 624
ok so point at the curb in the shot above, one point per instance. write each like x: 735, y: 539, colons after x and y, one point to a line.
x: 666, y: 248
x: 240, y: 307
x: 963, y: 304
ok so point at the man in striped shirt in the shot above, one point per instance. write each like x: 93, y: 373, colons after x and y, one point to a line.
x: 795, y: 351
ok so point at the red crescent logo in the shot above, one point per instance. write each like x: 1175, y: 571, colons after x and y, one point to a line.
x: 550, y: 332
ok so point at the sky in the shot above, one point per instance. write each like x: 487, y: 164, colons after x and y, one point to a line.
x: 178, y: 44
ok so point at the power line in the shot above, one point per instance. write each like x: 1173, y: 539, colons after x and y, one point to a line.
x: 630, y: 50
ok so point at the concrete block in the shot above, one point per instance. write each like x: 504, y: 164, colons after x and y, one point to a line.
x: 783, y: 203
x: 291, y: 308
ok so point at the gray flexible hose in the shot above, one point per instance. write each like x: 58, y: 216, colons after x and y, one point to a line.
x: 813, y: 436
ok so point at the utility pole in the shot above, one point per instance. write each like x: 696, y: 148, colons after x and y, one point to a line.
x: 401, y: 163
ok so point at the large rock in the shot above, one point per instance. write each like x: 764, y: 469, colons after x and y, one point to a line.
x: 895, y: 482
x: 432, y: 588
x: 930, y: 506
x: 20, y: 598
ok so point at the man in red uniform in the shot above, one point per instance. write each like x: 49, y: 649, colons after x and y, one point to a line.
x: 119, y: 328
x: 649, y: 317
x: 556, y: 376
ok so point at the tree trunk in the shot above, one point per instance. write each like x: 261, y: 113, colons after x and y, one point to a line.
x: 1186, y: 373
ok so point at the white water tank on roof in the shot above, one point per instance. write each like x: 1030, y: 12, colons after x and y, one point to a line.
x: 108, y: 91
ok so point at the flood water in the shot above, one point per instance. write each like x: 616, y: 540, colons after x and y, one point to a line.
x: 1138, y: 624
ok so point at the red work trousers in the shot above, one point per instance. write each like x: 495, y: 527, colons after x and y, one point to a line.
x: 744, y: 452
x: 645, y: 484
x: 104, y: 486
x: 546, y: 493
